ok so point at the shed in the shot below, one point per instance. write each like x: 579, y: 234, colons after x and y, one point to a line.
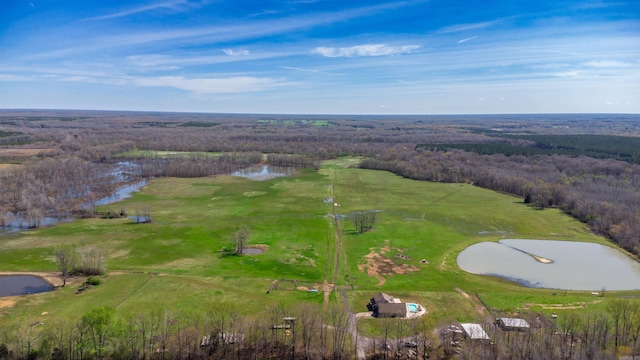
x: 475, y: 331
x: 512, y: 324
x: 390, y: 310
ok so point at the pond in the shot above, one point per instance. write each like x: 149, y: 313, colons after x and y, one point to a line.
x: 252, y: 251
x: 553, y: 264
x: 13, y: 285
x: 263, y: 172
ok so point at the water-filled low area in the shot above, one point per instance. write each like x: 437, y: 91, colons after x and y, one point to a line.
x: 123, y: 192
x: 553, y: 264
x: 13, y: 285
x: 264, y: 172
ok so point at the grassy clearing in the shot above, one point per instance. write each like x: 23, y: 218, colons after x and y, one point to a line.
x: 183, y: 257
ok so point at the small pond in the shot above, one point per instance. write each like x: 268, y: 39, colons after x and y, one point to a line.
x: 252, y: 251
x: 553, y: 264
x: 263, y: 172
x: 13, y: 285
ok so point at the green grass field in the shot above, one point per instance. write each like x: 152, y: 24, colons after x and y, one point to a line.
x: 181, y: 260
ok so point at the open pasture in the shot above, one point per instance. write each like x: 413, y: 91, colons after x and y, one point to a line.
x: 184, y: 259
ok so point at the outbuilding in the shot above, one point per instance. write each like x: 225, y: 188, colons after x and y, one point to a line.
x: 512, y: 324
x: 474, y: 331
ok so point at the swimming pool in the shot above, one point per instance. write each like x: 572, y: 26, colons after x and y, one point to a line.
x: 412, y: 308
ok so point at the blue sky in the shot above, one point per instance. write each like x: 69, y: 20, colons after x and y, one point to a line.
x: 322, y: 56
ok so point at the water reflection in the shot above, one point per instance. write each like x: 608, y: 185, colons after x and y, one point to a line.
x: 263, y: 172
x: 572, y: 265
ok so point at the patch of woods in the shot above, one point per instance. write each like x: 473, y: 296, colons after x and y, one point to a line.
x: 305, y: 331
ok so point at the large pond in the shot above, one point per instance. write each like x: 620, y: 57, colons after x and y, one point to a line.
x: 13, y: 285
x: 263, y: 172
x: 553, y: 264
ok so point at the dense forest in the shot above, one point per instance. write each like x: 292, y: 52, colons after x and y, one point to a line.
x: 58, y: 163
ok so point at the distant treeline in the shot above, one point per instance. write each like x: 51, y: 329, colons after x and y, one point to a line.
x: 8, y: 133
x: 622, y: 148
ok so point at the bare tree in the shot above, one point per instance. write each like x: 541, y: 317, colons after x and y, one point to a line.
x: 66, y: 259
x: 364, y: 220
x: 240, y: 238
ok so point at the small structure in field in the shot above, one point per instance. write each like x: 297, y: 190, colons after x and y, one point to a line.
x: 512, y: 324
x: 475, y: 331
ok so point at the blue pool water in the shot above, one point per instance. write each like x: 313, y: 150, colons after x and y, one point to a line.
x: 412, y: 308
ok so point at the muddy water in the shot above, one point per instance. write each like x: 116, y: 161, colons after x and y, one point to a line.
x: 13, y: 285
x: 553, y: 264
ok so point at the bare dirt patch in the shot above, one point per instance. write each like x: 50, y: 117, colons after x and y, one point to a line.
x: 7, y: 303
x: 378, y: 266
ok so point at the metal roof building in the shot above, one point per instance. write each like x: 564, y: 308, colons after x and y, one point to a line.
x: 475, y: 331
x: 508, y: 324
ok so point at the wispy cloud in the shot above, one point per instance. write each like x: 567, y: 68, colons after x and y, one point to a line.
x: 467, y: 39
x: 174, y: 5
x: 295, y: 68
x: 608, y: 64
x: 365, y: 50
x: 464, y: 27
x: 238, y: 84
x: 232, y: 52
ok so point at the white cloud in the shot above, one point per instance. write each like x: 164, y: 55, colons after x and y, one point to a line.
x: 238, y: 84
x: 569, y: 74
x: 607, y: 64
x: 232, y: 52
x: 365, y: 50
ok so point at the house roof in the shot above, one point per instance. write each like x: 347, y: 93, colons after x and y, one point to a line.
x: 392, y: 308
x: 514, y: 322
x: 381, y: 298
x: 475, y: 331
